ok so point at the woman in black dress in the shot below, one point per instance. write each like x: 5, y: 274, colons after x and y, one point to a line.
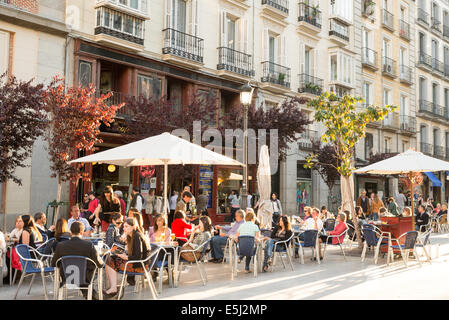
x: 109, y: 204
x: 30, y: 235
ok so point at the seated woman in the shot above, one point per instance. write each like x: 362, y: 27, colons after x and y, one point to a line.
x: 133, y: 213
x: 180, y: 226
x: 383, y: 212
x: 249, y: 228
x: 62, y: 233
x: 203, y: 232
x: 159, y: 228
x: 443, y: 210
x: 338, y: 230
x: 17, y: 232
x: 407, y: 212
x: 138, y: 248
x: 30, y: 235
x: 281, y: 232
x: 113, y: 232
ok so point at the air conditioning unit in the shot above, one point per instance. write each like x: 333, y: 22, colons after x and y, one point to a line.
x: 388, y: 68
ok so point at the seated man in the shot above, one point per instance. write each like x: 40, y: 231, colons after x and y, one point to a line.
x: 75, y: 212
x: 421, y: 219
x: 76, y: 246
x: 338, y: 230
x: 40, y: 220
x: 218, y: 241
x: 312, y: 223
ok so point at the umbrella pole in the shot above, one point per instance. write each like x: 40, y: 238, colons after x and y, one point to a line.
x: 165, y: 187
x: 410, y: 176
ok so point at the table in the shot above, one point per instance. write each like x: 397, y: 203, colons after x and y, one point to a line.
x: 396, y: 226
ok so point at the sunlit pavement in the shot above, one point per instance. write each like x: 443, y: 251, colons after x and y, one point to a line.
x: 335, y: 278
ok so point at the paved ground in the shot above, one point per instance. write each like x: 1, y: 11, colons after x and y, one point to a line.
x: 333, y: 279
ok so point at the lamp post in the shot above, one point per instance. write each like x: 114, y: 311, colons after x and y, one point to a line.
x: 246, y: 95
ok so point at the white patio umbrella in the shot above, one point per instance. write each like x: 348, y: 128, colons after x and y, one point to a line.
x: 265, y: 210
x: 407, y: 162
x: 164, y: 149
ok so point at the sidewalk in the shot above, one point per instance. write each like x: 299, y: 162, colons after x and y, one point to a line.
x: 333, y: 279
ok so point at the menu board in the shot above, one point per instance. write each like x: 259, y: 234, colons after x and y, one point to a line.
x: 206, y: 179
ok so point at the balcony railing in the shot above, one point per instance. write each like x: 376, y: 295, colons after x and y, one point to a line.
x: 435, y: 24
x: 26, y: 5
x: 119, y: 25
x: 391, y: 121
x: 408, y: 124
x: 406, y: 74
x: 310, y: 15
x: 387, y: 19
x: 183, y: 45
x: 425, y: 106
x: 276, y: 74
x: 118, y: 98
x: 306, y: 138
x: 438, y: 110
x: 235, y: 61
x: 423, y: 16
x: 369, y: 57
x: 437, y: 66
x: 388, y: 66
x: 310, y: 84
x: 424, y: 59
x: 339, y: 30
x: 438, y: 151
x: 432, y: 108
x: 404, y: 29
x: 426, y: 148
x: 281, y: 5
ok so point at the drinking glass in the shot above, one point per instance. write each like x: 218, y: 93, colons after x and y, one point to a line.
x: 172, y: 236
x: 162, y: 236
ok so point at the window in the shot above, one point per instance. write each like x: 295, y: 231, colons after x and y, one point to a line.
x: 403, y: 105
x: 149, y: 86
x: 368, y: 93
x: 140, y: 5
x: 422, y: 89
x: 343, y: 9
x: 342, y: 68
x: 4, y: 52
x: 118, y: 21
x: 387, y: 145
x: 84, y: 73
x: 369, y: 143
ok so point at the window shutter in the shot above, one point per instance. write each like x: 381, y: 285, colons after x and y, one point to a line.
x: 284, y: 51
x: 315, y: 62
x: 302, y: 57
x: 4, y: 52
x: 265, y: 45
x: 169, y: 13
x: 194, y: 17
x: 223, y: 29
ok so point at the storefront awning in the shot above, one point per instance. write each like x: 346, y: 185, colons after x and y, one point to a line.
x: 435, y: 181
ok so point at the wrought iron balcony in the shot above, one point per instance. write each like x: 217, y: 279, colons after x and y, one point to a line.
x: 423, y: 16
x: 424, y: 60
x: 118, y: 98
x: 435, y: 24
x: 445, y: 31
x: 425, y: 106
x: 26, y: 5
x: 306, y: 139
x: 437, y: 66
x: 404, y: 29
x: 426, y: 148
x: 369, y: 58
x: 408, y: 124
x: 309, y: 84
x: 235, y: 61
x: 276, y: 74
x: 391, y: 121
x: 387, y: 19
x: 438, y: 151
x: 281, y: 5
x: 310, y: 15
x: 388, y: 66
x: 339, y: 30
x: 406, y: 74
x: 183, y: 45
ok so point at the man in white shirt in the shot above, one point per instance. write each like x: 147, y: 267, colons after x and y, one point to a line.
x: 172, y: 205
x: 315, y: 223
x: 401, y: 200
x: 75, y: 212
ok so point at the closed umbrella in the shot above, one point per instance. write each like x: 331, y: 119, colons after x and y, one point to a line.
x: 407, y: 163
x: 164, y: 149
x: 265, y: 209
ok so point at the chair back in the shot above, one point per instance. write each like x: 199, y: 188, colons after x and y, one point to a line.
x: 74, y: 270
x: 329, y: 224
x: 204, y: 250
x: 246, y: 246
x: 426, y: 237
x: 369, y: 234
x: 24, y: 253
x: 410, y: 239
x: 310, y: 238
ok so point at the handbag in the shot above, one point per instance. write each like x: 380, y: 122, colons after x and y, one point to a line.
x: 188, y: 256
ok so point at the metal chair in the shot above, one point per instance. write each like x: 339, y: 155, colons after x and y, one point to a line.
x: 247, y: 247
x: 310, y: 241
x: 281, y: 247
x: 229, y: 243
x: 444, y: 226
x: 329, y: 224
x: 74, y: 269
x: 424, y: 241
x: 351, y: 236
x: 198, y: 261
x: 162, y: 264
x: 339, y: 243
x: 29, y: 268
x: 410, y: 241
x: 146, y: 264
x: 374, y: 238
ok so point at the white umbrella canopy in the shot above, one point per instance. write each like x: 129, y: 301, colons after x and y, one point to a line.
x: 265, y: 210
x: 406, y: 162
x: 164, y: 149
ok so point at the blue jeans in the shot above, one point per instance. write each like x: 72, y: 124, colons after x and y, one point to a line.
x: 215, y: 244
x: 268, y: 250
x: 374, y: 216
x: 276, y: 218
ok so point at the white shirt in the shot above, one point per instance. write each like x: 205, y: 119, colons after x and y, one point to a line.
x: 310, y: 224
x: 2, y: 243
x: 16, y: 233
x: 139, y: 204
x: 401, y: 200
x: 249, y: 201
x: 173, y: 201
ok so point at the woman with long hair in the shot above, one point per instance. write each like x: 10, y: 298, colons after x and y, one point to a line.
x: 180, y: 226
x: 277, y: 208
x: 62, y: 233
x: 281, y: 232
x: 133, y: 213
x: 159, y: 228
x: 138, y: 248
x: 109, y: 204
x: 30, y: 235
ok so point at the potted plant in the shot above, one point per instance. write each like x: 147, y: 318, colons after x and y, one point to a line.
x: 369, y: 7
x: 314, y: 13
x: 281, y: 78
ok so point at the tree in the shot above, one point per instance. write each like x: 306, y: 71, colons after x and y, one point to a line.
x: 75, y: 118
x: 22, y: 121
x: 345, y: 127
x: 380, y: 156
x: 325, y: 163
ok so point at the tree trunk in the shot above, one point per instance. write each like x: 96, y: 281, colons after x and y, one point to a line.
x: 348, y: 202
x: 3, y: 204
x: 58, y: 199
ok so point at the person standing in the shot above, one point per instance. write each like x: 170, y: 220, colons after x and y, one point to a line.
x: 172, y: 205
x: 93, y: 204
x: 150, y: 208
x: 364, y: 203
x: 401, y: 201
x: 109, y: 204
x: 235, y: 203
x: 277, y: 208
x: 137, y: 202
x: 119, y: 195
x: 84, y: 207
x: 203, y: 201
x: 376, y: 204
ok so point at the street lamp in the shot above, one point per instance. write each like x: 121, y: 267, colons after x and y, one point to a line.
x: 246, y: 96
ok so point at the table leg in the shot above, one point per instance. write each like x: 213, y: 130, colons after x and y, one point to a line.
x: 10, y: 266
x: 175, y: 268
x: 100, y: 283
